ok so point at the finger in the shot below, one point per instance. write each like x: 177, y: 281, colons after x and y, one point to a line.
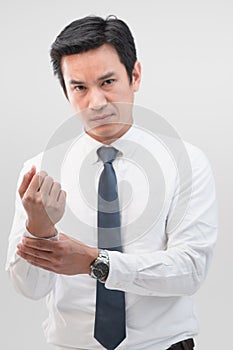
x: 26, y: 181
x: 61, y: 196
x: 30, y: 252
x: 55, y: 191
x: 40, y: 244
x: 41, y: 177
x: 46, y: 187
x: 44, y: 264
x: 36, y: 182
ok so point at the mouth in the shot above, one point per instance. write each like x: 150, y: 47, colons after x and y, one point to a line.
x: 101, y: 118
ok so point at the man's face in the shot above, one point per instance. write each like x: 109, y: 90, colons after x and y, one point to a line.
x: 99, y: 89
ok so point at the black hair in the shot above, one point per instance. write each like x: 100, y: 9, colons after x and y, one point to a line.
x: 90, y: 33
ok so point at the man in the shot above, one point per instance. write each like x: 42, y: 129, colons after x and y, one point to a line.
x: 123, y: 276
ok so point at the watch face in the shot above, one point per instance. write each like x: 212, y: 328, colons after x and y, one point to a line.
x: 100, y: 270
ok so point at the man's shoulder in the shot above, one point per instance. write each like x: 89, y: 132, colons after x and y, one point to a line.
x: 188, y: 158
x: 196, y: 155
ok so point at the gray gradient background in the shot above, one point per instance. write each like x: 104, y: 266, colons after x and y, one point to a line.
x: 186, y: 49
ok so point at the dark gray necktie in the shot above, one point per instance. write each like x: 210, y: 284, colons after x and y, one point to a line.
x: 110, y: 304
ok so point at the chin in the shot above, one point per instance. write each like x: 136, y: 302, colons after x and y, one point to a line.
x: 107, y: 131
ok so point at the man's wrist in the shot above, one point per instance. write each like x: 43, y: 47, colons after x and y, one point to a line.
x: 93, y: 255
x: 35, y: 232
x: 53, y: 235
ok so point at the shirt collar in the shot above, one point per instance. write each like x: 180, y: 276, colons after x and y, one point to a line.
x: 124, y: 144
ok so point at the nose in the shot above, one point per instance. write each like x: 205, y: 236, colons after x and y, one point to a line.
x: 97, y: 99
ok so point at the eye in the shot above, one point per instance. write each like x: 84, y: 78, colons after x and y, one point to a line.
x: 79, y: 88
x: 108, y: 82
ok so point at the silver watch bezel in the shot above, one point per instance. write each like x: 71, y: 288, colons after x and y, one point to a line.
x: 103, y: 258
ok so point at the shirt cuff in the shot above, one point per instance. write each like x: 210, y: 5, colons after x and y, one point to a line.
x: 122, y: 270
x: 54, y: 238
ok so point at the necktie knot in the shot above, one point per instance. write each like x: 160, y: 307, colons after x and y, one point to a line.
x: 107, y: 154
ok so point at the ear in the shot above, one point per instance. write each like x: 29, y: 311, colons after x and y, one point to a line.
x: 136, y: 76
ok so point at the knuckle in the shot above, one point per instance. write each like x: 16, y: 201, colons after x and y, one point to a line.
x: 42, y: 173
x: 39, y: 178
x: 49, y: 178
x: 57, y: 184
x: 28, y: 197
x: 60, y: 248
x: 38, y: 200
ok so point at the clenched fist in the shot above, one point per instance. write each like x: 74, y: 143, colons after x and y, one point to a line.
x: 44, y: 202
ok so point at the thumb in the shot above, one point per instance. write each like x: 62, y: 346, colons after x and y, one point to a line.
x: 26, y: 181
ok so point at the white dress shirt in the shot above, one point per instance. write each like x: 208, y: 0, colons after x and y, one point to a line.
x: 169, y: 225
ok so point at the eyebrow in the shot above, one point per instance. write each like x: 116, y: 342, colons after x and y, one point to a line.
x: 103, y: 77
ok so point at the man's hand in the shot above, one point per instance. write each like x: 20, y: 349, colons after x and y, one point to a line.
x: 44, y: 202
x: 66, y: 256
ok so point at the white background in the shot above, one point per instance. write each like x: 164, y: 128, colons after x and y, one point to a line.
x: 186, y: 49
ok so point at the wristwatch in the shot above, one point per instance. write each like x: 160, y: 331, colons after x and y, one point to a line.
x: 100, y: 267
